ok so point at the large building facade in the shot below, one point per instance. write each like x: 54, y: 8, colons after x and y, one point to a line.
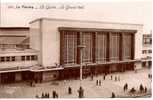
x: 49, y: 49
x: 109, y: 47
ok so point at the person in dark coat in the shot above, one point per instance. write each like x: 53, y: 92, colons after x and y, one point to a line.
x: 42, y: 96
x: 141, y: 88
x: 81, y: 92
x: 69, y: 90
x: 54, y: 94
x: 113, y: 95
x: 115, y: 78
x: 148, y: 75
x: 145, y: 90
x: 97, y: 82
x: 126, y: 86
x: 104, y: 77
x: 111, y: 77
x: 37, y: 96
x: 48, y: 95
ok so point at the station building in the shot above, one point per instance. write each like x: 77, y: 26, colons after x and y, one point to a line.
x: 49, y: 49
x: 109, y: 47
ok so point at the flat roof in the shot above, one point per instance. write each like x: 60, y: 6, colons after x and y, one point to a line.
x: 90, y: 21
x: 14, y: 28
x: 95, y: 30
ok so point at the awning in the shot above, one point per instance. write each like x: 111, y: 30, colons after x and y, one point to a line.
x: 46, y: 69
x: 15, y: 70
x: 104, y: 63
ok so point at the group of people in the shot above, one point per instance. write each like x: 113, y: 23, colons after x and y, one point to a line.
x: 142, y: 88
x: 55, y: 94
x: 125, y: 88
x: 46, y: 95
x: 116, y: 78
x: 80, y: 91
x: 150, y: 76
x: 98, y: 82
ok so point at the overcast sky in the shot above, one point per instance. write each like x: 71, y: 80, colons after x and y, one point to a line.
x: 125, y: 12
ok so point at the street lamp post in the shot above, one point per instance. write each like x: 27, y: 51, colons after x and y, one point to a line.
x: 81, y: 60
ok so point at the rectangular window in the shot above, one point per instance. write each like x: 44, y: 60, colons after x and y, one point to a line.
x: 127, y: 46
x: 13, y: 58
x: 27, y: 57
x: 149, y: 51
x: 70, y: 47
x: 7, y: 58
x: 23, y: 58
x: 143, y: 51
x: 2, y: 59
x: 87, y: 42
x: 114, y: 46
x: 147, y: 40
x: 101, y: 47
x: 33, y: 57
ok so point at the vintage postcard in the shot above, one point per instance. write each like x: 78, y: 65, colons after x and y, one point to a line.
x: 75, y: 49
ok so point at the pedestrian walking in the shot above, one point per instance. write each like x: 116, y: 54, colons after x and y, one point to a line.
x: 141, y: 88
x: 111, y: 77
x: 69, y: 90
x: 115, y: 78
x: 42, y: 96
x: 104, y: 77
x: 46, y: 95
x: 37, y: 96
x: 99, y: 82
x: 113, y: 95
x: 145, y: 89
x: 54, y: 94
x: 124, y: 88
x: 81, y: 92
x: 148, y: 75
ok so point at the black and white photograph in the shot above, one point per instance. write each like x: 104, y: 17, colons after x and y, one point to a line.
x: 80, y: 49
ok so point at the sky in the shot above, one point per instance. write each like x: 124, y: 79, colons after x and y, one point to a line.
x: 19, y: 14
